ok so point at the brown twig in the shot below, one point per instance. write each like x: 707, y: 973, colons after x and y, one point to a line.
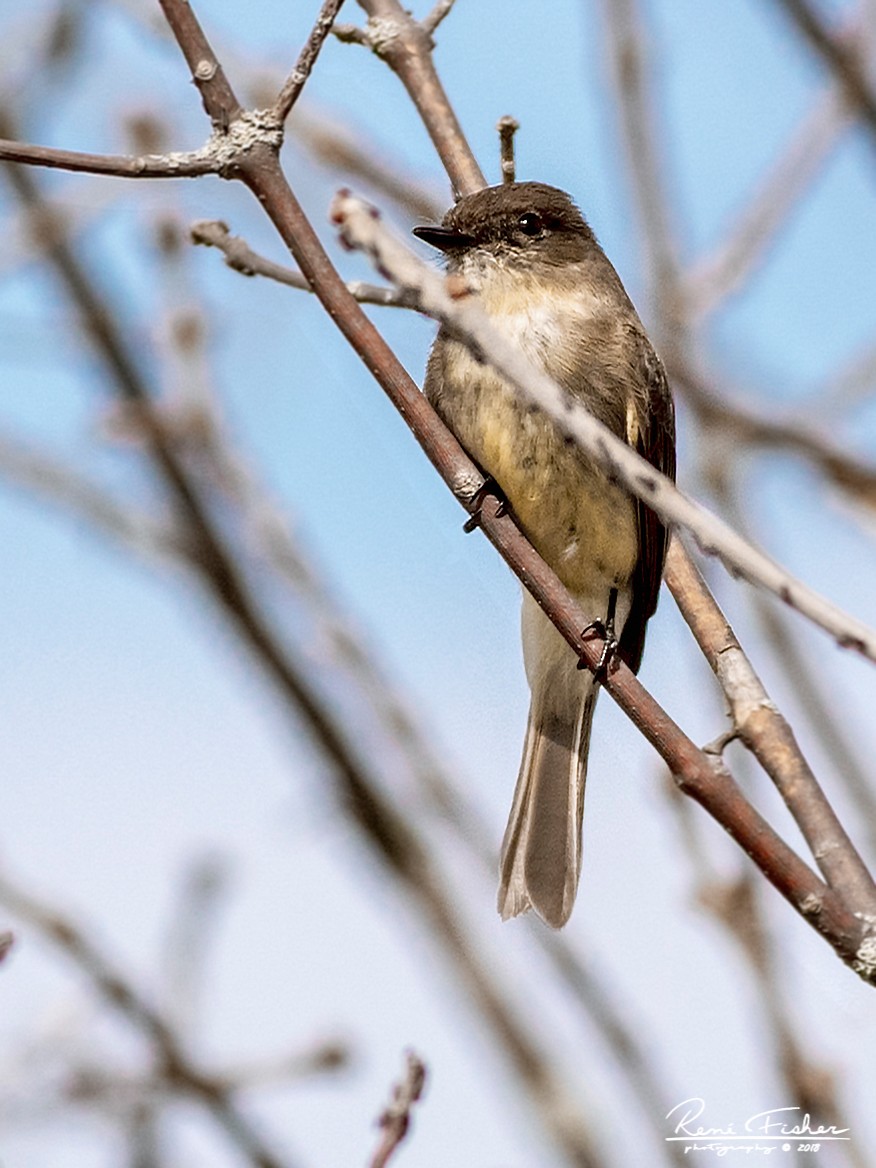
x: 241, y: 258
x: 769, y: 737
x: 296, y: 80
x: 406, y: 46
x: 507, y: 127
x: 395, y: 1119
x: 190, y: 164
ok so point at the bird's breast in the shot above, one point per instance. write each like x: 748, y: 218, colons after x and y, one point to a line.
x: 581, y: 523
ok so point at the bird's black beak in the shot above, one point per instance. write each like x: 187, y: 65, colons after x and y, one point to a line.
x: 444, y: 238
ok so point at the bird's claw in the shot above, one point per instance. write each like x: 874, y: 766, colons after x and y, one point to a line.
x: 488, y: 487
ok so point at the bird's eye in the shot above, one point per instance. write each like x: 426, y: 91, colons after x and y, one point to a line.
x: 530, y: 223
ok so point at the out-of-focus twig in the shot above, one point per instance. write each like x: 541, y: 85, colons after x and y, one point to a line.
x: 841, y: 54
x: 241, y: 258
x: 709, y: 281
x: 176, y: 1066
x: 395, y: 1119
x: 353, y: 156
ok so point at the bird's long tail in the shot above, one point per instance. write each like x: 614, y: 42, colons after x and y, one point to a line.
x: 541, y: 852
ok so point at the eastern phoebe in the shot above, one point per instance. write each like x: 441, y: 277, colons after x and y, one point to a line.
x: 543, y: 279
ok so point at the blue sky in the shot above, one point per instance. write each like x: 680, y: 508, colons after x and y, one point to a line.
x: 136, y: 734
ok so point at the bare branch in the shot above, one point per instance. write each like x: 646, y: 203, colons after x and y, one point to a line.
x: 856, y: 479
x: 241, y: 258
x: 708, y: 283
x: 842, y: 56
x: 395, y: 1119
x: 353, y: 154
x: 46, y: 475
x: 7, y: 940
x: 507, y: 127
x: 189, y: 164
x: 432, y: 19
x: 361, y: 228
x: 406, y: 46
x: 766, y: 733
x: 295, y: 82
x: 126, y: 999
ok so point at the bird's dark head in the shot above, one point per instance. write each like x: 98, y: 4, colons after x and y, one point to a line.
x: 520, y: 224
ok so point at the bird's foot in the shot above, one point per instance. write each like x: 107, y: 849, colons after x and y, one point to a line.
x: 605, y: 631
x: 488, y: 487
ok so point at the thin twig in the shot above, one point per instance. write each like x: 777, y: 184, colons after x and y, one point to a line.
x: 432, y: 19
x: 240, y: 256
x: 126, y: 999
x: 189, y: 164
x: 507, y: 127
x: 295, y: 82
x: 395, y: 1119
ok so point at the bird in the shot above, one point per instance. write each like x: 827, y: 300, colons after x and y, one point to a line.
x: 528, y: 253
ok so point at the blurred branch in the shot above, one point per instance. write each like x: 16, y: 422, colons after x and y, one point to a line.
x: 46, y: 475
x: 192, y: 926
x: 644, y: 148
x: 179, y: 1071
x: 709, y: 281
x: 296, y: 80
x: 742, y: 425
x: 395, y: 1119
x: 406, y: 46
x: 241, y: 258
x: 769, y: 737
x: 351, y: 154
x: 843, y: 56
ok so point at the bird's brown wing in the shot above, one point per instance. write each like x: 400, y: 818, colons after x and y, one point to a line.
x: 655, y: 441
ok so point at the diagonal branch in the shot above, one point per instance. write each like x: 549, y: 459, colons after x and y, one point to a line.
x: 296, y: 80
x: 406, y: 46
x: 769, y: 737
x: 111, y: 984
x: 842, y: 56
